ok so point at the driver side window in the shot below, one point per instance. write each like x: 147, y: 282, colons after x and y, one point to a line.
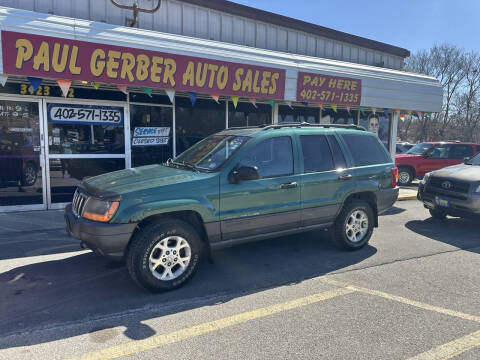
x: 273, y: 157
x: 439, y: 152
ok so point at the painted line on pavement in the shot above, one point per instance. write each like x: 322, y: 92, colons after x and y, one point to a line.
x: 157, y: 341
x: 451, y: 349
x: 401, y: 299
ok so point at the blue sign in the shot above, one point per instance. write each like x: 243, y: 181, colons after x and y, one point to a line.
x: 85, y: 114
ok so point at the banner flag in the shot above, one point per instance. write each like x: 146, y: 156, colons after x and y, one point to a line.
x: 64, y: 85
x: 122, y: 88
x: 362, y: 109
x: 35, y: 82
x: 215, y: 97
x: 271, y: 102
x: 420, y: 114
x: 289, y: 103
x: 96, y: 85
x: 409, y: 112
x: 147, y: 90
x: 170, y: 94
x: 320, y: 105
x: 193, y: 97
x: 334, y: 107
x: 374, y: 111
x: 253, y: 101
x: 348, y: 108
x: 305, y: 103
x: 235, y: 101
x: 3, y: 79
x: 402, y: 117
x: 385, y: 111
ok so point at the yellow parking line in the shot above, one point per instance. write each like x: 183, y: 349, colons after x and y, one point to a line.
x: 153, y: 342
x: 451, y: 349
x: 401, y: 299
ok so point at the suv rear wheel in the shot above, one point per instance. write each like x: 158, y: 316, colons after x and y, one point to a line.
x: 405, y: 176
x: 164, y: 255
x: 353, y: 227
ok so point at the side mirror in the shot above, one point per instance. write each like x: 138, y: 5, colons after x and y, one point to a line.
x: 427, y: 155
x: 244, y: 173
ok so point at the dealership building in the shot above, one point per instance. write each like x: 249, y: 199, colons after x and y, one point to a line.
x: 84, y: 93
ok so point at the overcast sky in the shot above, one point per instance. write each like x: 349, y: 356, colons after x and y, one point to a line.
x: 411, y: 24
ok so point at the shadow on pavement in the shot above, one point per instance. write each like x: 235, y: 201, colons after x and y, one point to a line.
x: 457, y: 232
x: 393, y: 211
x: 88, y: 286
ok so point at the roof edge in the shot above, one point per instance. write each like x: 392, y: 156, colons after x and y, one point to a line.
x: 300, y: 25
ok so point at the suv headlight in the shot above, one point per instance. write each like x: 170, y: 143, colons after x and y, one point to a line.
x: 99, y: 210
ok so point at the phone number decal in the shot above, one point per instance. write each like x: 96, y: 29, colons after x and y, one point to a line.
x: 329, y: 89
x: 85, y: 114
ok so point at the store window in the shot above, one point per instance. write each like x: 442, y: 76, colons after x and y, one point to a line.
x: 378, y: 123
x: 151, y: 134
x: 248, y: 115
x: 287, y: 114
x: 85, y: 129
x: 20, y: 172
x: 329, y: 116
x: 65, y: 174
x: 194, y: 123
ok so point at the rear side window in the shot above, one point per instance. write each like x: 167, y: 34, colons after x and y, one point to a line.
x: 338, y: 156
x: 316, y: 153
x: 478, y: 149
x: 366, y: 150
x: 460, y: 151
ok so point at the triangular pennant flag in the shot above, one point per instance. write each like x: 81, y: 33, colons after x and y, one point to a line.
x: 385, y: 111
x: 419, y: 114
x: 320, y: 105
x: 95, y: 85
x: 362, y: 109
x: 271, y: 102
x: 235, y: 101
x: 289, y: 103
x: 193, y: 97
x: 305, y: 103
x: 374, y: 110
x: 409, y: 112
x: 402, y: 117
x: 432, y: 116
x: 215, y: 97
x: 122, y: 88
x: 348, y: 108
x: 147, y: 90
x: 334, y: 107
x: 35, y: 82
x: 64, y: 85
x: 253, y: 101
x: 3, y: 79
x: 170, y: 94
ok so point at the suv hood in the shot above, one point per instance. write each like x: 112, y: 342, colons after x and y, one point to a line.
x: 459, y: 172
x: 145, y: 177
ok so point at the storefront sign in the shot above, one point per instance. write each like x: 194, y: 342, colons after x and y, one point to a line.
x: 85, y: 114
x: 327, y: 89
x: 150, y: 141
x: 151, y: 131
x: 49, y: 57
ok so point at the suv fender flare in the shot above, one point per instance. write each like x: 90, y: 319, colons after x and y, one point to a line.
x: 366, y: 195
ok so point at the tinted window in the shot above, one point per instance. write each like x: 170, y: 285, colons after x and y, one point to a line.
x: 460, y: 151
x: 419, y: 149
x: 439, y: 152
x: 316, y: 153
x: 272, y: 157
x: 338, y: 156
x: 366, y: 150
x: 478, y: 149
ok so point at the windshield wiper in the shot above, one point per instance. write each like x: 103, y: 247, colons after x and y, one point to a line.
x: 185, y: 165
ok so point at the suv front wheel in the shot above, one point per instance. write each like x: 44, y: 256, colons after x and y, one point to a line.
x: 164, y: 255
x: 353, y: 227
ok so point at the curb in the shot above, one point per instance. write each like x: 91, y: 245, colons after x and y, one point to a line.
x: 407, y: 197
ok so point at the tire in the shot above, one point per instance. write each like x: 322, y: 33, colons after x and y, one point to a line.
x: 438, y: 214
x: 161, y: 243
x: 339, y: 234
x: 29, y: 175
x: 405, y: 176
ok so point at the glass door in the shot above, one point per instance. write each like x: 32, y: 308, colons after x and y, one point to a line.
x: 22, y: 174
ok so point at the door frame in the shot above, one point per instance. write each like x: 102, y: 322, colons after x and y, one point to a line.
x: 43, y: 206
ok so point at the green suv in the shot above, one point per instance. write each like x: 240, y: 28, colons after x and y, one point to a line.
x: 236, y: 186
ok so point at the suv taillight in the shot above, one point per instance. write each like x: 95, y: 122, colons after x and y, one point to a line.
x: 394, y: 173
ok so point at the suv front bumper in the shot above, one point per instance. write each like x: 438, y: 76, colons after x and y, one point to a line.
x: 107, y: 239
x: 469, y: 207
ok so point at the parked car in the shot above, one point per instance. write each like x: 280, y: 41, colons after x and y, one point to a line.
x: 453, y: 191
x: 403, y: 147
x: 236, y: 186
x: 429, y: 156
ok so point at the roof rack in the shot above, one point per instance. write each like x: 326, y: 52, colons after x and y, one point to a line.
x: 303, y: 124
x: 247, y: 127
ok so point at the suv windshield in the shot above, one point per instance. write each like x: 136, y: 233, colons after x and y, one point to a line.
x: 212, y: 152
x: 419, y: 149
x: 474, y: 161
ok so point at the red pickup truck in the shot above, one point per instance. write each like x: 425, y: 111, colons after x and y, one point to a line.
x: 429, y: 156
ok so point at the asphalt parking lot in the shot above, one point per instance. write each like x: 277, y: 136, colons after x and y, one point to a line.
x: 412, y: 293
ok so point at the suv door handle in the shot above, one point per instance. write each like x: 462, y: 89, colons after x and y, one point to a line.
x: 345, y: 177
x: 289, y: 185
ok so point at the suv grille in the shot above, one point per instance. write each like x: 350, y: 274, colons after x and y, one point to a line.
x: 78, y: 203
x: 455, y: 186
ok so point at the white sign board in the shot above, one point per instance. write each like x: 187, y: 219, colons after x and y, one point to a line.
x: 151, y: 131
